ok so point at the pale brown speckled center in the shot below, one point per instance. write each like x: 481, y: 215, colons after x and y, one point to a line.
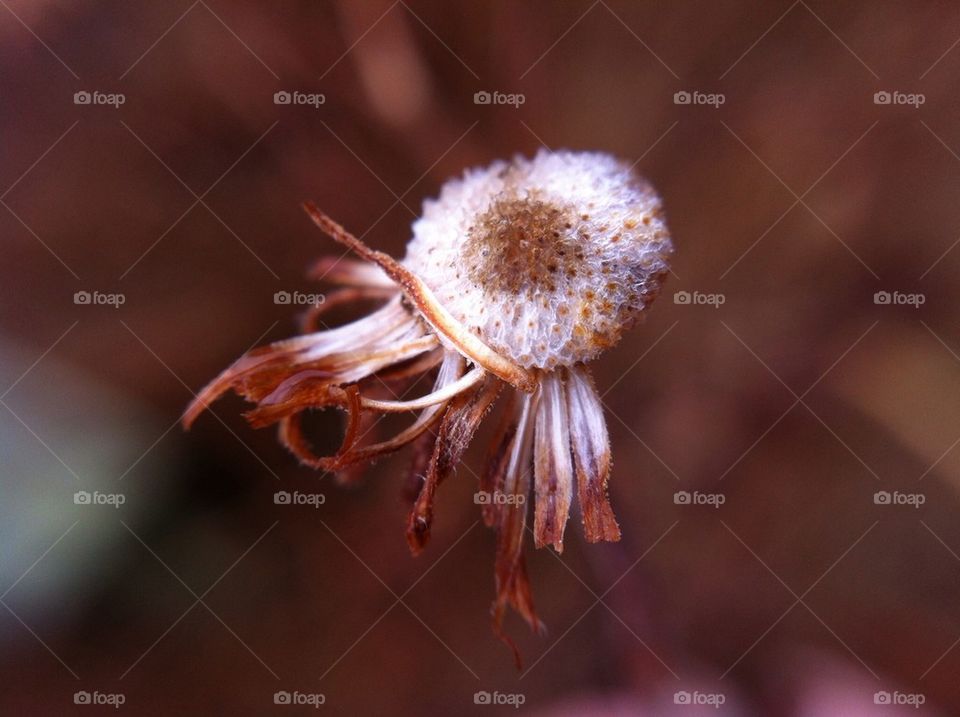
x: 520, y: 246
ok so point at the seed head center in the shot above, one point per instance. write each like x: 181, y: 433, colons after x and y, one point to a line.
x: 522, y: 245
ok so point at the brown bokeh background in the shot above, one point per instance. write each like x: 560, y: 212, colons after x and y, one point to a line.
x: 797, y: 399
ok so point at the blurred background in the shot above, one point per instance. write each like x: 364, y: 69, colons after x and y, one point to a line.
x: 784, y: 424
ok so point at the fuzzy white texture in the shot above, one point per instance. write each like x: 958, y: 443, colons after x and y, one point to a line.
x: 547, y: 260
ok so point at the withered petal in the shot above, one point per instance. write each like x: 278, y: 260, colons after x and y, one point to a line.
x: 258, y: 372
x: 450, y: 371
x: 311, y: 319
x: 520, y: 596
x: 553, y: 466
x: 591, y: 451
x: 512, y: 586
x: 460, y: 422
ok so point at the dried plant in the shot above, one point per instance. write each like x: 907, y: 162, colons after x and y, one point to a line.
x: 517, y: 275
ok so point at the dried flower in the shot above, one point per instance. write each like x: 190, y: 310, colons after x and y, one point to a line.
x: 517, y: 275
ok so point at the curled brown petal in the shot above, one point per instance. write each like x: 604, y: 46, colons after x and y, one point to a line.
x: 591, y: 451
x: 258, y: 372
x: 314, y: 388
x: 309, y: 389
x: 311, y: 320
x: 290, y: 432
x: 358, y: 425
x: 450, y: 371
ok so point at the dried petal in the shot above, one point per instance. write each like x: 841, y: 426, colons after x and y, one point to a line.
x: 591, y: 451
x: 311, y: 320
x: 552, y: 464
x: 512, y: 586
x: 460, y: 422
x: 257, y: 373
x: 450, y: 371
x: 421, y: 451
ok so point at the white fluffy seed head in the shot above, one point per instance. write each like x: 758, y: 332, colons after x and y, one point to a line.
x: 547, y: 260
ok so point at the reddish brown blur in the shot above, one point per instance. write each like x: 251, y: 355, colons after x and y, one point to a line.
x: 782, y: 388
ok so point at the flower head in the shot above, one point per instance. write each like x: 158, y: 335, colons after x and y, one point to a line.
x: 517, y: 274
x: 547, y: 260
